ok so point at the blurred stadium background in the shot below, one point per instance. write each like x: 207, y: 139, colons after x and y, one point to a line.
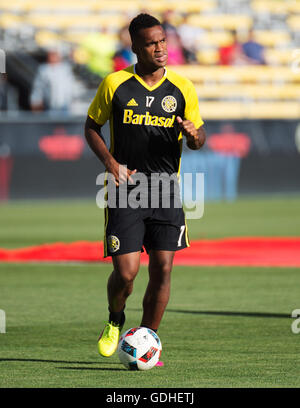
x: 238, y: 317
x: 251, y: 108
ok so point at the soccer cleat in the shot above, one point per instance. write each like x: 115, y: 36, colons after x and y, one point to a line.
x: 159, y: 364
x: 108, y: 340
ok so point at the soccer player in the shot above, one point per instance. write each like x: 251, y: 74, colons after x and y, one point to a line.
x: 149, y: 108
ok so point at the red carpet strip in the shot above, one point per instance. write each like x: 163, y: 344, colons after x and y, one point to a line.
x: 246, y: 251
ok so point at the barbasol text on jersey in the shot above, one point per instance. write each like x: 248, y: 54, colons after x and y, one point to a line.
x: 147, y: 119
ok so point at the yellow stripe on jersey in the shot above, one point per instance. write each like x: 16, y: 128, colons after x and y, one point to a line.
x: 112, y: 138
x: 188, y: 90
x: 105, y: 226
x: 100, y: 108
x: 148, y: 87
x: 186, y: 234
x: 105, y: 214
x: 179, y: 165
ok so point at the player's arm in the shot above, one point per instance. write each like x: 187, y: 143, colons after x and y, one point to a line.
x: 195, y: 138
x: 191, y: 123
x: 96, y: 142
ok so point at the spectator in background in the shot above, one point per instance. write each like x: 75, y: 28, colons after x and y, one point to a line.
x: 99, y: 48
x: 188, y: 36
x: 52, y: 86
x: 233, y: 54
x: 228, y: 147
x: 175, y: 48
x: 124, y: 55
x: 253, y: 50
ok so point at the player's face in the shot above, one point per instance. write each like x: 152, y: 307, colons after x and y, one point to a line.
x: 151, y: 47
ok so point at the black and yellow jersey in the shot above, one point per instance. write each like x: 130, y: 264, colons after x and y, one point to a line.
x: 143, y: 129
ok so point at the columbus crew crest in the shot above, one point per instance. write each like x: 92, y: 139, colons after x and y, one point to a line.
x: 113, y: 243
x: 169, y: 104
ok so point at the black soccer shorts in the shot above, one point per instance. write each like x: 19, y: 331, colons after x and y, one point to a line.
x: 129, y: 230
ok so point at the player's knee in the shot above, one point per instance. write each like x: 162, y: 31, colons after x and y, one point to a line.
x: 163, y: 265
x: 166, y: 271
x: 126, y: 278
x: 161, y: 273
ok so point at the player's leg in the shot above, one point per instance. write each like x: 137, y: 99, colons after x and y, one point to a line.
x: 123, y: 241
x: 120, y: 283
x: 165, y: 234
x: 119, y: 287
x: 158, y: 290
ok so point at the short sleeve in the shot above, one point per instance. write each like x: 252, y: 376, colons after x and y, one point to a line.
x: 192, y: 111
x: 100, y: 108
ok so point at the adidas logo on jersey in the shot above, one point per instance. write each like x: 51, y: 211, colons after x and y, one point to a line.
x: 132, y: 102
x: 147, y: 119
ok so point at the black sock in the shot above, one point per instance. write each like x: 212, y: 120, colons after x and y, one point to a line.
x: 147, y: 327
x: 117, y: 317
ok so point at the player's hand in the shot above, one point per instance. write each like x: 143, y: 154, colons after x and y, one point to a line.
x: 119, y: 172
x: 124, y: 175
x: 187, y: 127
x: 195, y: 138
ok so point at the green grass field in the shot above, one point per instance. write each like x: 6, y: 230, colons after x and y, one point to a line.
x: 224, y: 327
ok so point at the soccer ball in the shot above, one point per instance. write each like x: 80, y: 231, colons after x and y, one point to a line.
x: 139, y: 348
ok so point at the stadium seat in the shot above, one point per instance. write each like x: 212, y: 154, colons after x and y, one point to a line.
x: 63, y: 21
x: 213, y: 39
x: 239, y: 74
x: 254, y: 110
x: 273, y: 110
x: 293, y: 6
x: 279, y: 56
x: 188, y: 6
x: 55, y: 6
x: 246, y: 91
x: 9, y: 21
x: 294, y: 22
x: 270, y: 6
x: 52, y: 22
x: 77, y: 37
x: 109, y: 6
x: 221, y: 21
x: 221, y: 110
x: 46, y: 38
x: 18, y: 6
x: 208, y: 57
x: 113, y: 22
x: 276, y: 38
